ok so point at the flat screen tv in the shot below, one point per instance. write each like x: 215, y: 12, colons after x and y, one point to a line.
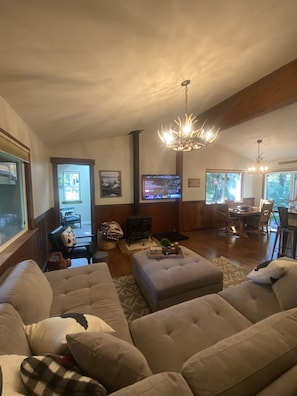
x: 161, y: 187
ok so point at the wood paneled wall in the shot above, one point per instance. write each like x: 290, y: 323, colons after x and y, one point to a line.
x: 166, y: 217
x: 163, y: 214
x: 32, y: 245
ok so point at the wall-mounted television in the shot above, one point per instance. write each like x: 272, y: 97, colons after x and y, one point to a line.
x: 161, y: 187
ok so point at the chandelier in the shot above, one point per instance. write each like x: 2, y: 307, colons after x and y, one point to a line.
x: 258, y: 168
x: 186, y: 135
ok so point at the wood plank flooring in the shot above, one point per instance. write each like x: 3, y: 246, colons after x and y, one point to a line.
x: 248, y: 251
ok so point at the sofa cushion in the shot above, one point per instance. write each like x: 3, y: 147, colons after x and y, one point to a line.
x: 254, y: 300
x: 169, y: 337
x: 11, y: 381
x: 49, y: 335
x: 163, y: 384
x: 26, y: 288
x: 113, y: 362
x: 12, y: 341
x: 285, y: 288
x: 247, y: 362
x: 89, y: 289
x: 57, y: 375
x: 284, y: 385
x: 269, y: 272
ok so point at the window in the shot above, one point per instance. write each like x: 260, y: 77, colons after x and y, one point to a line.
x: 71, y: 185
x: 281, y: 187
x: 221, y: 186
x: 13, y: 202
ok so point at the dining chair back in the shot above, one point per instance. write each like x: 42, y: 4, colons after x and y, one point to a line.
x: 226, y: 221
x: 264, y: 218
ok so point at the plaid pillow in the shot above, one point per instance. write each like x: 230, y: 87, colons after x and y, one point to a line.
x: 54, y: 375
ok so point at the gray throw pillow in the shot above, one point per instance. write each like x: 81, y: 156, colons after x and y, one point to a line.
x: 111, y: 361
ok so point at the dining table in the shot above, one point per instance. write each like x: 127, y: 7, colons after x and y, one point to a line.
x: 242, y: 213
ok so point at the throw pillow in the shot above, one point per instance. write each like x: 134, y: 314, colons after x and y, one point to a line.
x: 111, y: 361
x: 268, y: 272
x: 57, y: 375
x: 49, y: 335
x: 284, y: 289
x: 68, y: 237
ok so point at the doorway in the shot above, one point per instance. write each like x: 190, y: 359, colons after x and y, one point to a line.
x: 73, y: 184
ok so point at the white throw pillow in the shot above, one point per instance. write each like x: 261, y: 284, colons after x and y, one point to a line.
x: 68, y: 237
x: 269, y: 274
x: 49, y: 335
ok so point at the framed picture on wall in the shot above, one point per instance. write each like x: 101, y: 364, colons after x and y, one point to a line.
x: 110, y: 184
x: 193, y: 182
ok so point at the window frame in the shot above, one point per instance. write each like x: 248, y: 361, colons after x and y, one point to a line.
x: 13, y: 147
x: 68, y: 201
x: 293, y: 186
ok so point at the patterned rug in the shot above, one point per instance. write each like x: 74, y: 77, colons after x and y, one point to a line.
x: 134, y: 304
x: 141, y: 244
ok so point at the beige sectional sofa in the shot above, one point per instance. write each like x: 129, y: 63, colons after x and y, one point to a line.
x: 241, y: 341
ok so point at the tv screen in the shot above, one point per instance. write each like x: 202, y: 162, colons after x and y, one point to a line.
x: 161, y: 187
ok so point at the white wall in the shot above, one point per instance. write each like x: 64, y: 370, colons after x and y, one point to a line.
x: 41, y: 175
x: 116, y: 154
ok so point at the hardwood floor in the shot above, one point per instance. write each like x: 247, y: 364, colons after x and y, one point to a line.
x: 248, y: 251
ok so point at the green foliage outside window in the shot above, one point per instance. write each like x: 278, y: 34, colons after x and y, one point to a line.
x: 221, y: 186
x: 281, y: 187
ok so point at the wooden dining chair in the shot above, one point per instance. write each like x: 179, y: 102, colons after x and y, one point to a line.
x: 225, y: 221
x: 261, y: 222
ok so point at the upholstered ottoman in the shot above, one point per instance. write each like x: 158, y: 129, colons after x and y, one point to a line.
x: 168, y: 281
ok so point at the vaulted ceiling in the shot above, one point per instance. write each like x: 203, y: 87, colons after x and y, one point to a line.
x: 84, y: 69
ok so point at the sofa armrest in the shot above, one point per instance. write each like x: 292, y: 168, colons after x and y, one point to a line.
x: 247, y: 362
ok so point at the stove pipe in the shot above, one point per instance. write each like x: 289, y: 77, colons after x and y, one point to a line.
x: 136, y: 181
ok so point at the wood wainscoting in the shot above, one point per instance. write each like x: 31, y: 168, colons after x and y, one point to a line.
x: 166, y: 216
x: 33, y: 244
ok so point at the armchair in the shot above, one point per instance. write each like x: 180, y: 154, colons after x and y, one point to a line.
x: 69, y: 217
x: 77, y: 250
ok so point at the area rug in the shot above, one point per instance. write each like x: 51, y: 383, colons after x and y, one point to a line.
x: 134, y: 305
x: 137, y: 245
x: 232, y: 274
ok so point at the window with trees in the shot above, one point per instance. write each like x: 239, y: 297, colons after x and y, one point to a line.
x: 281, y: 187
x: 221, y: 186
x: 14, y: 158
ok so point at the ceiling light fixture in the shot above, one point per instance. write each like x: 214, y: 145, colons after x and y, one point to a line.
x: 186, y: 135
x: 258, y: 168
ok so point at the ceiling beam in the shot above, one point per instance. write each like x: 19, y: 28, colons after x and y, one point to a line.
x: 272, y: 92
